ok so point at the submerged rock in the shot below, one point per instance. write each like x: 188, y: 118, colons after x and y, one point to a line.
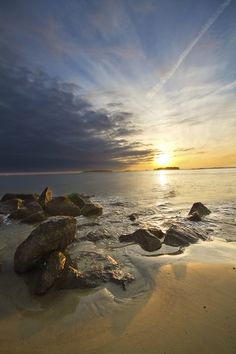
x: 97, y: 235
x: 194, y: 216
x: 133, y: 216
x: 52, y: 270
x: 62, y: 206
x: 25, y: 197
x: 54, y: 234
x: 200, y: 209
x: 45, y: 197
x: 10, y: 205
x: 91, y: 209
x: 147, y: 240
x: 182, y: 235
x: 98, y: 268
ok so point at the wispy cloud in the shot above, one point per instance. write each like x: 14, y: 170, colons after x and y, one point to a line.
x: 189, y: 48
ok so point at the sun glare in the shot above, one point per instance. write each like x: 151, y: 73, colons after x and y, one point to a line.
x: 163, y: 159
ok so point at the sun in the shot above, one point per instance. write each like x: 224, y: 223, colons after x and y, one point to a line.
x: 163, y: 159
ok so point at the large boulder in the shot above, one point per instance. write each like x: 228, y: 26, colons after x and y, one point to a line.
x: 91, y: 209
x: 62, y: 206
x: 199, y: 209
x: 10, y: 205
x: 54, y: 234
x: 147, y: 240
x: 182, y: 235
x: 26, y: 211
x: 52, y: 269
x: 45, y: 197
x: 26, y: 197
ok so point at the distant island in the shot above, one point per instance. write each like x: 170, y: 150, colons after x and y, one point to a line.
x: 87, y: 171
x: 166, y: 168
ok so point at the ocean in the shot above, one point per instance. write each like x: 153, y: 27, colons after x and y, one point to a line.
x: 71, y: 318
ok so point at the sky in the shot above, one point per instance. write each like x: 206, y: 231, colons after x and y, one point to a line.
x: 117, y: 84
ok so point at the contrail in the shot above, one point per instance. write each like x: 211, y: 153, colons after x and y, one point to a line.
x: 187, y: 51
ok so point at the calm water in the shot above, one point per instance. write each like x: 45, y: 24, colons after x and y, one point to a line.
x: 159, y: 197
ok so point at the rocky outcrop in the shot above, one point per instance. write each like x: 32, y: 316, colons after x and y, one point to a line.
x: 91, y: 209
x: 10, y: 205
x: 54, y: 234
x: 62, y: 206
x: 182, y: 235
x: 147, y: 240
x: 52, y: 269
x: 78, y: 199
x: 198, y: 211
x: 35, y: 218
x: 45, y: 197
x: 72, y: 279
x: 97, y: 268
x: 25, y: 197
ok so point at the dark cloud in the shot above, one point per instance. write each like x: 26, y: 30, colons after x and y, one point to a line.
x: 47, y: 125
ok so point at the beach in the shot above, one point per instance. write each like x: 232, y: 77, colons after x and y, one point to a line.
x: 178, y: 302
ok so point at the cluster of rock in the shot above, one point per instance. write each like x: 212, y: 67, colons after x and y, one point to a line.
x: 178, y: 235
x: 44, y: 252
x: 35, y: 208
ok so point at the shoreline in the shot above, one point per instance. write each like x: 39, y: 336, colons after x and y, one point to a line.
x: 191, y: 309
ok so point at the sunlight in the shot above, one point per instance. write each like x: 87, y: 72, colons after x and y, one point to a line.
x: 163, y: 159
x: 162, y: 178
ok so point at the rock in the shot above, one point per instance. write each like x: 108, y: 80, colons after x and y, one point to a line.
x: 97, y: 235
x: 52, y: 270
x: 35, y: 218
x: 28, y: 210
x: 144, y: 238
x: 54, y: 234
x: 200, y: 208
x: 79, y: 199
x: 97, y: 268
x: 25, y: 197
x: 10, y: 205
x: 73, y: 279
x: 133, y: 216
x: 45, y: 197
x: 194, y: 216
x: 91, y: 209
x: 182, y: 235
x: 156, y: 231
x: 62, y: 206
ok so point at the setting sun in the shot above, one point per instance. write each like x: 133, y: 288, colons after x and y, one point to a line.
x: 163, y: 159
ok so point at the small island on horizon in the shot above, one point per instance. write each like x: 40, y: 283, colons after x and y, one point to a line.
x: 167, y: 168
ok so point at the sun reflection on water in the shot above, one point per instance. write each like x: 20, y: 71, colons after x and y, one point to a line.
x: 162, y: 178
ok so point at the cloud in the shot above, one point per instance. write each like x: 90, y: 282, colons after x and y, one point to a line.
x: 47, y: 125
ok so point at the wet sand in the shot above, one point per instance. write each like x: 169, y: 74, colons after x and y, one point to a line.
x: 192, y: 309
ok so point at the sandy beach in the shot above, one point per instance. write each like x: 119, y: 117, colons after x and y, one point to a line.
x: 191, y: 309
